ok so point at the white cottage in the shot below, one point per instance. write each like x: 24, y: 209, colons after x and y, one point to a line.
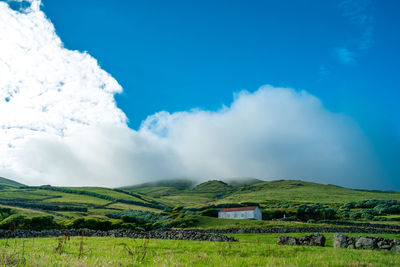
x: 249, y: 213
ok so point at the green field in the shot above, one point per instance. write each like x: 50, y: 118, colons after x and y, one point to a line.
x: 303, y: 192
x: 288, y: 191
x: 7, y: 183
x: 69, y: 203
x: 251, y: 250
x: 183, y: 204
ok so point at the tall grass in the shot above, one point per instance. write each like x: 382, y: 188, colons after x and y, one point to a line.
x: 251, y: 250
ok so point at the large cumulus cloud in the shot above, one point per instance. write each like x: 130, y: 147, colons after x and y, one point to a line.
x: 60, y: 125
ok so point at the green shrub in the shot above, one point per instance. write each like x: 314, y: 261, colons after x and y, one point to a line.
x: 184, y: 221
x: 209, y: 212
x: 43, y: 206
x: 273, y: 214
x: 5, y: 213
x: 145, y: 219
x: 177, y: 208
x: 90, y: 223
x: 316, y: 212
x: 35, y: 223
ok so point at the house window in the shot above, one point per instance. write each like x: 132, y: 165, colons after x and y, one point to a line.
x: 242, y: 215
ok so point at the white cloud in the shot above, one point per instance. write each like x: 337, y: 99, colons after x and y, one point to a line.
x: 359, y: 13
x: 272, y: 133
x: 60, y: 125
x: 345, y: 56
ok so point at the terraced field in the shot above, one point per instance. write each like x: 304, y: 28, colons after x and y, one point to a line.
x: 284, y: 196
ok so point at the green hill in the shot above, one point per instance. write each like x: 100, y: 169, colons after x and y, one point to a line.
x: 213, y: 186
x: 68, y: 203
x: 183, y: 192
x: 303, y: 192
x: 4, y: 182
x: 179, y: 184
x: 161, y: 188
x: 254, y: 190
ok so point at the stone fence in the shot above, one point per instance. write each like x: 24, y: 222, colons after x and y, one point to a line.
x: 316, y: 229
x: 307, y: 240
x: 342, y: 241
x: 162, y: 234
x: 369, y: 242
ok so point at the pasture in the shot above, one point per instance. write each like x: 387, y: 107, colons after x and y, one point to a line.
x: 251, y: 250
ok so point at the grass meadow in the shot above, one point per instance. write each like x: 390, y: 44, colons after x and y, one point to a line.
x: 251, y: 250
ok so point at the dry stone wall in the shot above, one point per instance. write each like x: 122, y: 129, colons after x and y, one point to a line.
x: 307, y: 240
x: 369, y: 242
x: 163, y: 234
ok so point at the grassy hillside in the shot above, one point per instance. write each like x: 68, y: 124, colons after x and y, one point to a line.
x: 187, y: 193
x: 303, y: 192
x: 178, y: 184
x: 194, y: 203
x: 66, y: 203
x: 280, y: 191
x: 5, y: 183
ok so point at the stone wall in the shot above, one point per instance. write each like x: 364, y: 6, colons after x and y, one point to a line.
x: 307, y: 240
x: 162, y: 234
x: 369, y: 242
x: 316, y: 229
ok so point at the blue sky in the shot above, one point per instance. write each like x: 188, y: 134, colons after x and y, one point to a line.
x: 176, y: 56
x: 179, y: 55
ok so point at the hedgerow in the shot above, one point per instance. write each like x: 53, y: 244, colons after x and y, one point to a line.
x: 101, y: 196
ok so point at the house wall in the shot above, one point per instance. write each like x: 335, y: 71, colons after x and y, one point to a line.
x: 245, y: 214
x: 258, y: 214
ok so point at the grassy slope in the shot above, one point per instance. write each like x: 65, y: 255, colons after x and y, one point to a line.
x: 303, y: 192
x: 292, y: 191
x: 108, y: 192
x: 251, y: 250
x: 32, y: 213
x: 97, y: 207
x: 4, y: 182
x: 172, y: 195
x: 211, y: 192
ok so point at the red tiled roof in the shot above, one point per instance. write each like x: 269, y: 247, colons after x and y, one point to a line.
x: 239, y: 209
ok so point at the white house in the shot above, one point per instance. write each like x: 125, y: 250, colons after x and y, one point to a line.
x: 249, y: 213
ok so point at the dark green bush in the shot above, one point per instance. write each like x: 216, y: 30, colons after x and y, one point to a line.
x: 316, y: 212
x: 183, y: 222
x: 273, y: 214
x: 91, y: 223
x: 144, y: 219
x: 5, y: 213
x: 43, y: 206
x: 385, y: 206
x: 35, y: 223
x: 177, y: 208
x: 209, y: 212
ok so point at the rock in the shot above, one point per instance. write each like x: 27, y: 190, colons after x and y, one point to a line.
x: 384, y: 244
x: 365, y: 243
x: 286, y: 240
x: 292, y: 241
x: 317, y: 240
x: 340, y: 240
x: 395, y: 248
x: 308, y: 240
